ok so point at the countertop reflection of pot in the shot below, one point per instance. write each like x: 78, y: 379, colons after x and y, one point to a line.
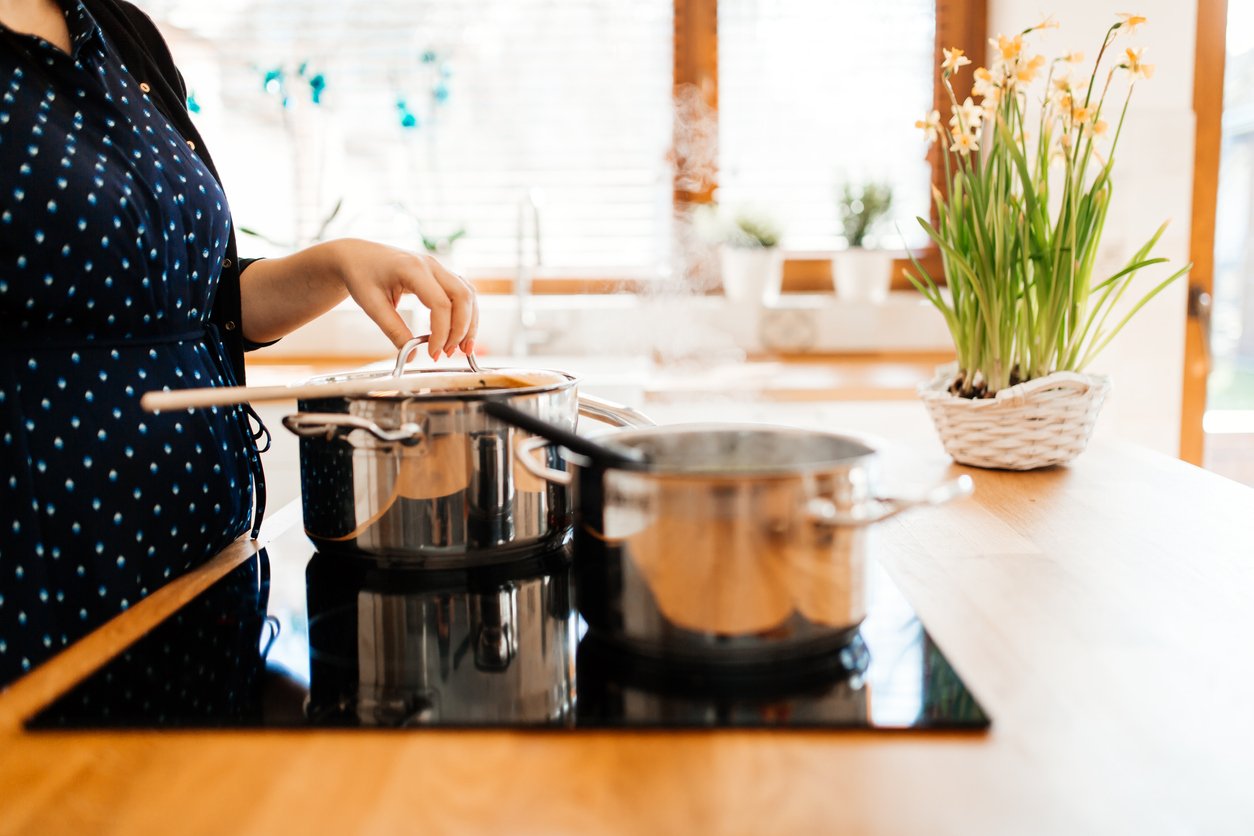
x: 729, y: 544
x: 418, y: 473
x: 394, y: 647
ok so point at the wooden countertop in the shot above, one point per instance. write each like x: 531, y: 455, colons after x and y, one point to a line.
x: 1103, y: 614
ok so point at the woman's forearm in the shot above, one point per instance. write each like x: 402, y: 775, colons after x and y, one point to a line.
x: 281, y: 294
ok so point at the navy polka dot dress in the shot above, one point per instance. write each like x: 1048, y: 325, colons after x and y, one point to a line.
x: 112, y: 236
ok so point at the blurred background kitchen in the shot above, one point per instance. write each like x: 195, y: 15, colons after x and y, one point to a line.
x: 564, y: 155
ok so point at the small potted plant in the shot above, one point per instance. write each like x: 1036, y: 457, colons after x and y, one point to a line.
x: 752, y: 268
x: 862, y: 273
x: 1019, y: 228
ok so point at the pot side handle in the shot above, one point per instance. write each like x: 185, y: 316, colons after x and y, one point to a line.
x: 525, y: 452
x: 824, y: 512
x: 331, y: 425
x: 612, y: 413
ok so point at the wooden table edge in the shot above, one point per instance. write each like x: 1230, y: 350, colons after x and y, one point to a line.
x: 31, y: 693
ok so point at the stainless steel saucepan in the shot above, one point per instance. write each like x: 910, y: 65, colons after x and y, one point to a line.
x: 727, y: 544
x: 406, y: 466
x: 416, y: 472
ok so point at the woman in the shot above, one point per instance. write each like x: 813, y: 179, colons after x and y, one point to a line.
x: 119, y: 275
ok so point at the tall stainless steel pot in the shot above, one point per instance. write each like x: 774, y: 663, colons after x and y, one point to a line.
x: 733, y: 544
x: 419, y: 474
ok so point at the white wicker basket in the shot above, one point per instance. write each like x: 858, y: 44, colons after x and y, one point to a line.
x: 1042, y: 422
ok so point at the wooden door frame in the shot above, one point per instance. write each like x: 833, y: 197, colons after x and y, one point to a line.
x: 1208, y: 107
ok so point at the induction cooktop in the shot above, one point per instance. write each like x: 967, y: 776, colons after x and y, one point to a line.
x: 297, y: 639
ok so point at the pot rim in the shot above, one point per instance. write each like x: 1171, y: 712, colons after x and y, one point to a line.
x: 775, y: 472
x: 566, y: 380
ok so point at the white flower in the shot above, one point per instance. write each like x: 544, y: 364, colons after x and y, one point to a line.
x: 1098, y: 128
x: 1138, y: 68
x: 967, y: 117
x: 1008, y: 49
x: 964, y: 143
x: 1130, y: 21
x: 930, y: 126
x: 955, y: 59
x: 985, y: 85
x: 1028, y: 72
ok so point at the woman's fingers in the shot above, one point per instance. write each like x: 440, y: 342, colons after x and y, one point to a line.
x: 418, y: 277
x: 465, y: 308
x: 381, y: 274
x: 468, y: 344
x: 379, y: 307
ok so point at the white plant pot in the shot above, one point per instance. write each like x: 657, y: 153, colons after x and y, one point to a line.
x: 862, y: 275
x: 751, y: 274
x: 1042, y: 422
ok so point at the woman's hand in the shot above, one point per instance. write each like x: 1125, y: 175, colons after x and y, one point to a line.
x: 376, y: 276
x: 281, y: 294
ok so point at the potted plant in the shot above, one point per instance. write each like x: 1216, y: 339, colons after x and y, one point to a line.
x: 862, y: 273
x: 749, y: 255
x: 1029, y: 184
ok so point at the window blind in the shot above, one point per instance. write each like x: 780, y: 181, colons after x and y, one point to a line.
x: 424, y: 118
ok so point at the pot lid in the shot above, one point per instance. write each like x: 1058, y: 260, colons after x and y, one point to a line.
x: 438, y: 384
x: 742, y: 450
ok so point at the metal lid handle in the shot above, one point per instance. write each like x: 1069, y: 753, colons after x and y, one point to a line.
x: 402, y: 356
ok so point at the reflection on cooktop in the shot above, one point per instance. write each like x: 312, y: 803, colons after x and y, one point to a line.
x: 293, y: 640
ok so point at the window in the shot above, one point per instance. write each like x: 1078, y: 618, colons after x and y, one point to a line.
x: 404, y: 119
x: 432, y: 117
x: 816, y: 94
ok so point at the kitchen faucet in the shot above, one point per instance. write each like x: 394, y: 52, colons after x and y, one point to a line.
x: 525, y: 332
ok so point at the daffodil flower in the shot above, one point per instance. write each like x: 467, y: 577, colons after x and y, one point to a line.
x: 985, y: 85
x: 1136, y: 66
x: 967, y: 117
x: 1008, y: 47
x: 1081, y: 115
x: 1028, y: 72
x: 1098, y: 128
x: 1048, y: 23
x: 1130, y: 21
x: 930, y: 126
x: 964, y: 143
x: 955, y: 59
x: 1073, y: 57
x: 1062, y: 95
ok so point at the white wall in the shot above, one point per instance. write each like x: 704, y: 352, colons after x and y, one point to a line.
x: 1153, y: 183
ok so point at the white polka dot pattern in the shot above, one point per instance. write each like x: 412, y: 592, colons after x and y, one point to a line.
x: 112, y: 235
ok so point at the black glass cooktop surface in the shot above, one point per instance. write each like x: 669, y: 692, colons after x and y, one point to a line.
x: 298, y: 639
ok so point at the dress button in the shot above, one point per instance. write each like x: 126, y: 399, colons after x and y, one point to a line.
x: 226, y: 264
x: 143, y: 85
x: 191, y: 145
x: 230, y: 325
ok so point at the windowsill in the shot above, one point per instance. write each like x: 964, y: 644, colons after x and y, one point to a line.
x: 663, y: 326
